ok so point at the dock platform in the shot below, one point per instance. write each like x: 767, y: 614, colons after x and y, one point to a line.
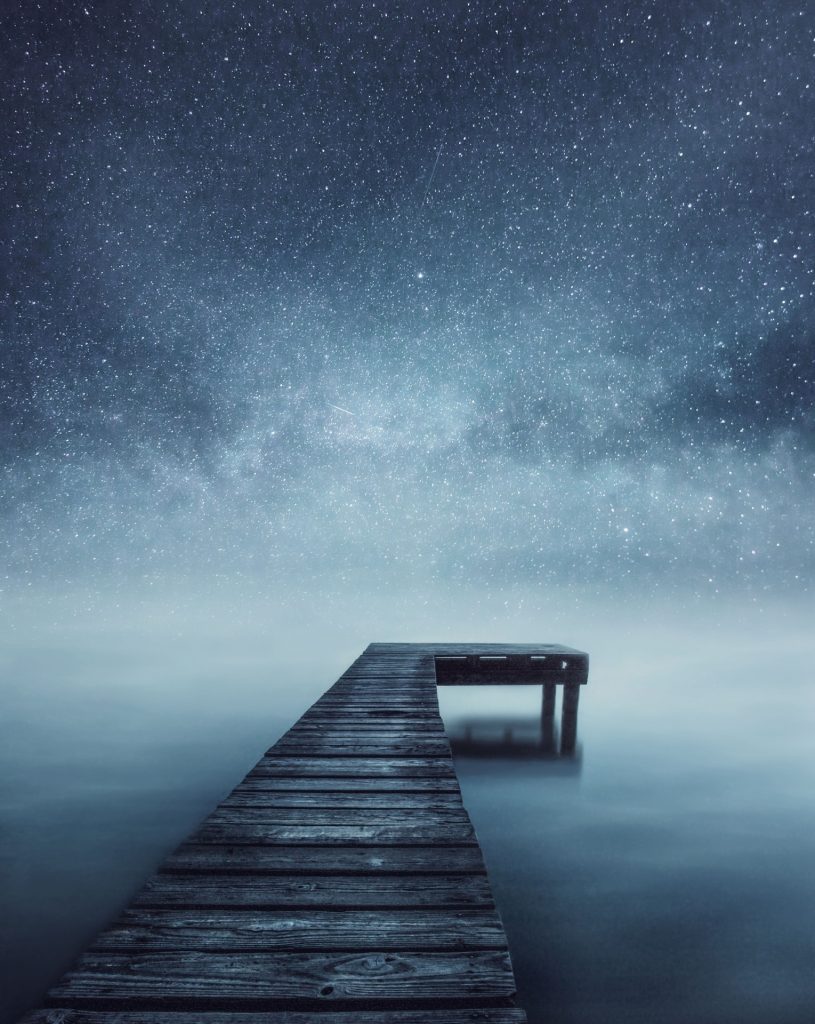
x: 341, y: 882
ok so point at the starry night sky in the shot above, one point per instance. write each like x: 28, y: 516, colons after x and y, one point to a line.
x: 407, y: 291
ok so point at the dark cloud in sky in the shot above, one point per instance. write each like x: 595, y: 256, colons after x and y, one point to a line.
x: 488, y: 291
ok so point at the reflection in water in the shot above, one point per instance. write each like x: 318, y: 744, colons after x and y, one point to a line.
x: 551, y: 666
x: 539, y: 737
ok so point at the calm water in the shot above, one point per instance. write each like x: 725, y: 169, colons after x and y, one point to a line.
x: 663, y: 874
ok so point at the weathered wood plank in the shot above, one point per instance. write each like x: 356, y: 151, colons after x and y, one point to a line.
x: 305, y: 930
x: 362, y: 702
x: 333, y: 892
x: 413, y: 817
x: 348, y: 784
x: 361, y: 767
x: 358, y: 743
x: 430, y: 802
x: 483, y: 1015
x: 179, y: 979
x: 433, y: 650
x: 365, y: 737
x: 425, y: 860
x: 377, y: 716
x: 354, y: 727
x: 326, y: 747
x: 248, y: 833
x: 319, y: 719
x: 371, y: 701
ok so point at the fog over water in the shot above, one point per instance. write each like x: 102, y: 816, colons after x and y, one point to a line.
x: 665, y: 873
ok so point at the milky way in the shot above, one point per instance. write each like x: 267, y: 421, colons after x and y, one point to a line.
x: 450, y: 291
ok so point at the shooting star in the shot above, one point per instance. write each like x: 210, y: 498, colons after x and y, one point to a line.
x: 339, y: 408
x: 433, y: 173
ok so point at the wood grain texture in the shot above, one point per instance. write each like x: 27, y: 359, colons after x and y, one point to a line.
x: 310, y: 930
x: 417, y: 817
x: 359, y: 767
x: 367, y: 726
x: 297, y: 746
x: 248, y: 833
x: 68, y: 1015
x: 179, y: 978
x: 264, y: 783
x: 328, y: 892
x: 430, y: 802
x: 339, y: 861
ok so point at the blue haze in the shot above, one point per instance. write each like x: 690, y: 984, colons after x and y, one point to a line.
x: 322, y: 324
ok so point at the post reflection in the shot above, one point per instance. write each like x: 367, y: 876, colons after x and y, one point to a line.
x: 543, y: 737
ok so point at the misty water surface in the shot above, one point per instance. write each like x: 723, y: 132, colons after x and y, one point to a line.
x: 664, y: 874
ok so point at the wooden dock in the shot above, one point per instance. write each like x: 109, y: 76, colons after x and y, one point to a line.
x: 340, y: 882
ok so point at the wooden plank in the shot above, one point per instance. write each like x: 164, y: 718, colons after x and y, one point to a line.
x: 347, y: 784
x: 365, y: 732
x: 372, y: 701
x: 433, y: 650
x: 365, y: 735
x: 375, y: 716
x: 187, y: 979
x: 321, y: 719
x: 381, y: 708
x: 483, y: 1015
x: 229, y: 930
x: 369, y: 702
x: 393, y: 709
x: 424, y: 860
x: 329, y: 891
x: 327, y: 747
x: 366, y: 728
x: 334, y: 835
x: 431, y: 802
x: 356, y: 766
x: 413, y: 817
x: 357, y: 746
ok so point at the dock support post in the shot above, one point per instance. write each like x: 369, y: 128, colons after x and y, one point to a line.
x: 548, y: 709
x: 568, y: 718
x: 548, y: 718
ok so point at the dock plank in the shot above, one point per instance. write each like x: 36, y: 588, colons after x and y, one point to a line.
x: 430, y: 801
x: 404, y: 861
x: 70, y: 1015
x: 250, y: 833
x: 309, y: 930
x: 413, y: 817
x: 358, y: 767
x: 328, y: 891
x: 265, y: 783
x: 185, y: 978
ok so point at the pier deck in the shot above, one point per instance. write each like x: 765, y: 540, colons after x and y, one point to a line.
x: 341, y: 881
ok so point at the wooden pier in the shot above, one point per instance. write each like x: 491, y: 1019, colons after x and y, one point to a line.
x: 340, y: 882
